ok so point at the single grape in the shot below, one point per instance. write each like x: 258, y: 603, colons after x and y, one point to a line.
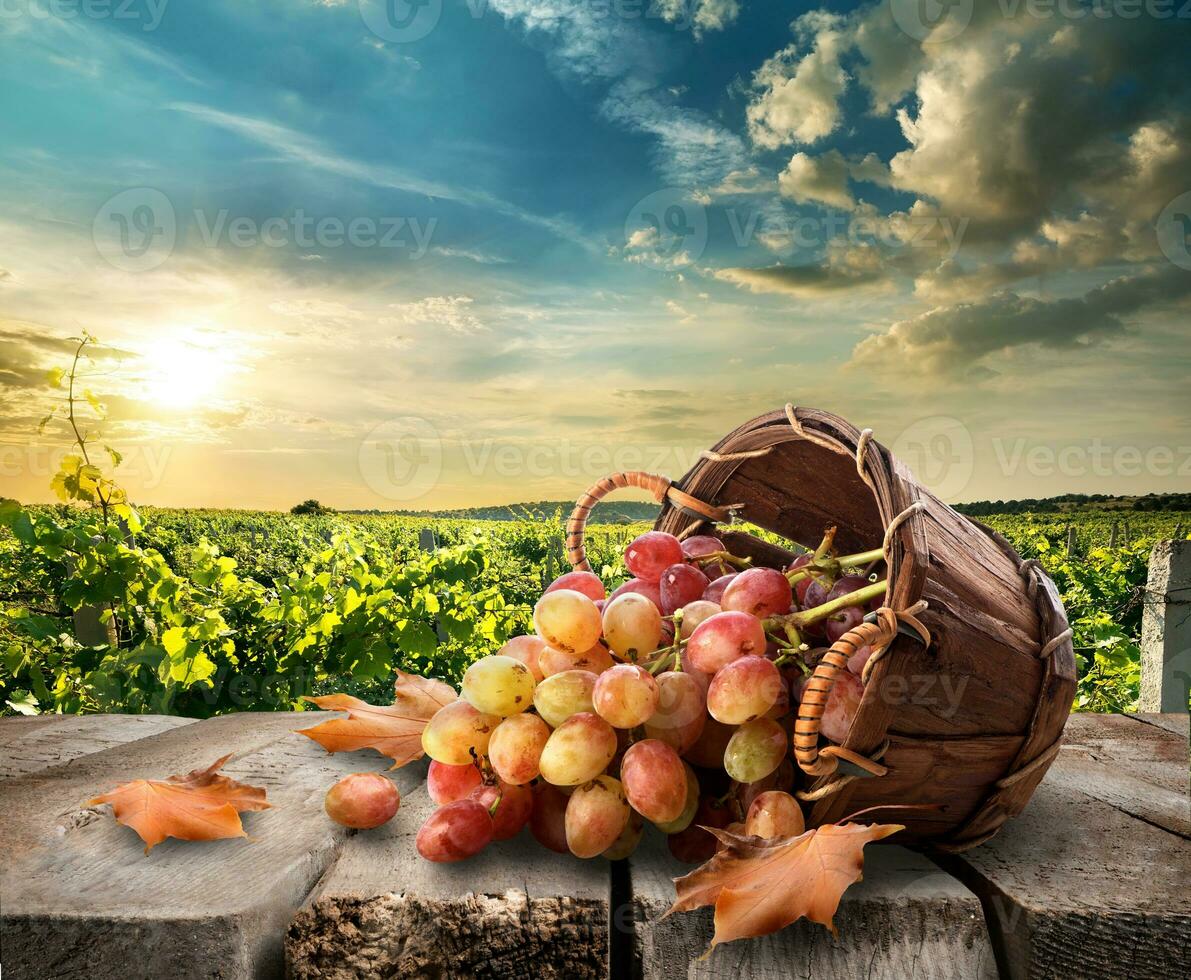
x: 651, y: 554
x: 547, y: 820
x: 699, y: 545
x: 679, y: 585
x: 527, y: 649
x: 847, y: 584
x: 635, y: 586
x: 781, y: 779
x: 567, y: 620
x: 586, y: 582
x: 596, y: 660
x: 693, y: 613
x: 515, y: 748
x: 681, y: 711
x: 755, y: 749
x: 837, y: 624
x: 724, y: 637
x: 842, y: 705
x: 708, y: 750
x: 745, y: 689
x: 498, y: 685
x: 458, y: 734
x: 561, y: 695
x: 774, y: 814
x: 625, y: 696
x: 801, y: 585
x: 596, y: 816
x: 632, y: 626
x: 715, y: 591
x: 446, y: 784
x: 511, y: 813
x: 629, y: 838
x: 578, y: 750
x: 683, y: 820
x: 362, y: 800
x: 456, y: 831
x: 654, y: 780
x: 759, y: 592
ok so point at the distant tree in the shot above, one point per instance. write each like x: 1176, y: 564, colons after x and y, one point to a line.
x: 310, y: 507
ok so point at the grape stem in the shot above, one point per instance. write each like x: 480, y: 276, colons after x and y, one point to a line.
x: 817, y: 613
x: 834, y: 566
x: 726, y: 557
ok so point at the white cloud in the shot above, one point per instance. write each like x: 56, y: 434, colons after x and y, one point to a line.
x: 452, y: 312
x: 821, y: 179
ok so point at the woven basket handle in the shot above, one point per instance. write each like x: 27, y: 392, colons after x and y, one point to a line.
x: 661, y: 488
x: 811, y: 759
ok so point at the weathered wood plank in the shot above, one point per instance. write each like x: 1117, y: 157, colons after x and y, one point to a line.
x: 516, y: 910
x: 906, y: 919
x: 26, y: 748
x: 1076, y: 885
x: 82, y: 900
x: 1176, y: 723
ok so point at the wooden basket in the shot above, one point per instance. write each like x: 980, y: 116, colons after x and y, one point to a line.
x: 971, y: 719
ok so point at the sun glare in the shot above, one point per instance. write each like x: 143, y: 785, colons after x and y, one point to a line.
x: 183, y: 375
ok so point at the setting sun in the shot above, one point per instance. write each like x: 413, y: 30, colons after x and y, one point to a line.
x: 181, y: 374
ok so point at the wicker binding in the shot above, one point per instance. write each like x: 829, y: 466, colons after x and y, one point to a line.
x: 971, y: 719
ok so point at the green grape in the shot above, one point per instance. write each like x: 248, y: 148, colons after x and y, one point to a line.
x: 567, y: 620
x: 458, y: 733
x: 755, y: 749
x: 629, y: 838
x: 578, y: 750
x: 498, y: 685
x: 561, y: 695
x: 632, y: 626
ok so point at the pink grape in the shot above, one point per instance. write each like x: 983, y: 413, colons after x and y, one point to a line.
x: 625, y: 696
x: 629, y: 838
x: 652, y: 553
x: 547, y: 820
x: 596, y: 660
x: 515, y: 748
x: 562, y: 695
x: 847, y: 584
x: 715, y: 591
x: 454, y: 832
x: 719, y: 640
x: 578, y: 750
x: 842, y: 704
x: 857, y: 661
x: 837, y: 624
x: 679, y: 585
x: 446, y: 784
x: 759, y: 592
x: 681, y: 711
x: 654, y: 780
x: 774, y: 814
x: 743, y: 690
x: 567, y: 620
x: 596, y: 816
x: 527, y: 649
x: 699, y: 545
x: 586, y: 582
x: 708, y: 750
x: 651, y: 590
x: 458, y: 733
x: 632, y: 626
x: 683, y: 820
x: 704, y: 680
x: 755, y: 749
x: 362, y: 800
x: 511, y: 813
x: 693, y: 613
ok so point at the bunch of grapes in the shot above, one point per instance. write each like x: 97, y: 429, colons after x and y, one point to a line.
x: 670, y: 701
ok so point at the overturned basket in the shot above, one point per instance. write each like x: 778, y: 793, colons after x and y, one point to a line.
x: 966, y: 705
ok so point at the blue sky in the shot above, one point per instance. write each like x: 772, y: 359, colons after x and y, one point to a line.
x: 571, y: 235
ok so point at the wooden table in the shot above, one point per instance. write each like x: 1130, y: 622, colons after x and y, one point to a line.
x: 1093, y: 880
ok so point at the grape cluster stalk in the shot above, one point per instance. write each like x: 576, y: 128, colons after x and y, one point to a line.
x: 669, y: 702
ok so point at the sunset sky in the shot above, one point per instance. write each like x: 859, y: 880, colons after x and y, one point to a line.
x: 482, y: 251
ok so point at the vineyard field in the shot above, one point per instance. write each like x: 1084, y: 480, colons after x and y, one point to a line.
x: 204, y: 612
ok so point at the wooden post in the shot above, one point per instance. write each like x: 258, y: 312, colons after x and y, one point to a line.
x: 1166, y: 629
x: 1112, y: 535
x: 554, y: 561
x: 1072, y: 540
x: 427, y: 543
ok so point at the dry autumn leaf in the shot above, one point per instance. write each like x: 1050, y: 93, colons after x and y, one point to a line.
x: 202, y: 805
x: 759, y: 886
x: 394, y: 729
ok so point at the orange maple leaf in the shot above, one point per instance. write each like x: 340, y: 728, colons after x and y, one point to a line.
x: 761, y: 885
x: 201, y: 805
x: 394, y: 729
